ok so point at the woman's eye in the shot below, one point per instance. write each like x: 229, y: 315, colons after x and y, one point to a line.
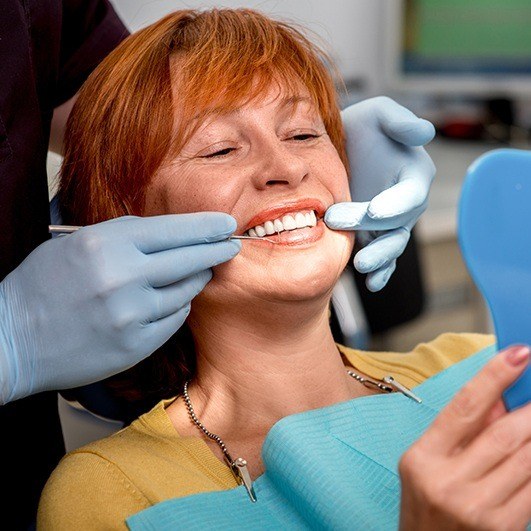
x: 304, y: 136
x: 219, y: 153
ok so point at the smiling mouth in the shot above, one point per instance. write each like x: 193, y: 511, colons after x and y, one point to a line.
x: 289, y: 222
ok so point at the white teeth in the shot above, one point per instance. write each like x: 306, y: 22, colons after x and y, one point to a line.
x: 289, y: 223
x: 260, y: 231
x: 297, y: 220
x: 300, y: 220
x: 269, y: 227
x: 279, y: 227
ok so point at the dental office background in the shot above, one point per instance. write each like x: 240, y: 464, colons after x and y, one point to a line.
x: 464, y: 65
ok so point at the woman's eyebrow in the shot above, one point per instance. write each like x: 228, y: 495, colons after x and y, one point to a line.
x: 293, y: 101
x: 292, y: 104
x: 288, y: 101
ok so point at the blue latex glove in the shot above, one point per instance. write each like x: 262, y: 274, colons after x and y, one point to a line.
x: 390, y: 179
x: 85, y: 306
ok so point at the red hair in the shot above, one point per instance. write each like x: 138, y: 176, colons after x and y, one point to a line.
x: 189, y: 64
x: 122, y: 125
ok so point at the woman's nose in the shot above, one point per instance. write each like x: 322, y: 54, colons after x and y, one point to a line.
x: 280, y: 166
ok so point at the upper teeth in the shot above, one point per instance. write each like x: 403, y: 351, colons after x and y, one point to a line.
x: 295, y: 220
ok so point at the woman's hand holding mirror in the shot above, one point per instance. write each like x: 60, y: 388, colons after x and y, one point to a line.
x: 472, y: 468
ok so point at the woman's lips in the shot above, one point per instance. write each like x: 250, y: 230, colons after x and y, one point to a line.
x: 296, y: 237
x: 286, y: 208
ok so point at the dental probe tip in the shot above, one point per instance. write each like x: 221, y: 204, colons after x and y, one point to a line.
x: 251, y: 238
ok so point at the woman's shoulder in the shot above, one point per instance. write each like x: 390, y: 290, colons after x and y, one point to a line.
x: 112, y: 478
x: 92, y: 487
x: 87, y: 491
x: 423, y: 361
x: 151, y: 440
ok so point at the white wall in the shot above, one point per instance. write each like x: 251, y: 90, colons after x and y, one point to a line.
x: 352, y: 28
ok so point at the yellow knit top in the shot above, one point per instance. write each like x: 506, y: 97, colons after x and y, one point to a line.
x: 99, y: 485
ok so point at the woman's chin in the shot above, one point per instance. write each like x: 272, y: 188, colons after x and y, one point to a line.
x: 302, y: 268
x: 302, y: 288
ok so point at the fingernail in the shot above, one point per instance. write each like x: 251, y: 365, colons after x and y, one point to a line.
x: 517, y: 355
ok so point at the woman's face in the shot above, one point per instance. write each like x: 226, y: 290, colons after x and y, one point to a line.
x: 271, y: 165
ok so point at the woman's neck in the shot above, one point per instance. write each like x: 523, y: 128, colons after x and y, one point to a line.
x: 253, y: 370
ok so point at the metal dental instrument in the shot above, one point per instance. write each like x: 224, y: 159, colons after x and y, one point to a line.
x: 62, y: 229
x: 250, y: 238
x: 68, y: 229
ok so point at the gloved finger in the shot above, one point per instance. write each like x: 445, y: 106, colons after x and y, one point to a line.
x: 158, y: 332
x: 354, y: 216
x: 170, y: 299
x: 378, y: 279
x: 408, y: 195
x: 381, y: 251
x: 160, y: 233
x: 346, y: 216
x: 168, y: 267
x: 116, y: 220
x: 402, y: 125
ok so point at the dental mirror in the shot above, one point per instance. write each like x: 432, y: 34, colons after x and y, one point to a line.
x: 494, y: 233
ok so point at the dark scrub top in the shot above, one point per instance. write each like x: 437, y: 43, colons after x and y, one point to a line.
x: 47, y: 49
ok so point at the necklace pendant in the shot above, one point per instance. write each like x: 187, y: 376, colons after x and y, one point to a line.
x: 239, y: 468
x: 402, y: 388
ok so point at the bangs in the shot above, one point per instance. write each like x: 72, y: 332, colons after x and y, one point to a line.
x: 224, y: 59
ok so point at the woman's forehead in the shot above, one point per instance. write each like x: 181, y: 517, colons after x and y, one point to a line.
x: 194, y: 109
x: 275, y: 96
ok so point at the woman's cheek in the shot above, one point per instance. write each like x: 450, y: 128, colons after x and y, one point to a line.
x: 224, y: 286
x: 343, y: 185
x: 333, y: 175
x: 348, y: 197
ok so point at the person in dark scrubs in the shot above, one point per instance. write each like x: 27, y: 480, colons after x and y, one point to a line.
x: 79, y: 308
x: 47, y: 49
x: 55, y: 304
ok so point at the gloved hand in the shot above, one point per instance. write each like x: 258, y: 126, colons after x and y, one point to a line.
x: 87, y: 305
x: 390, y: 179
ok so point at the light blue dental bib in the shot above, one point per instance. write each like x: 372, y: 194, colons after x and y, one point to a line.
x: 329, y: 468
